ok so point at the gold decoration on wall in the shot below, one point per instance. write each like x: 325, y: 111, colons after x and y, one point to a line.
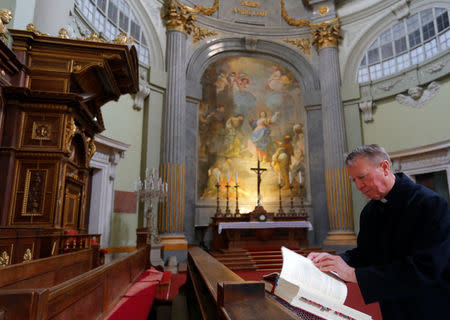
x: 32, y: 28
x: 292, y: 21
x: 41, y: 131
x: 63, y: 33
x: 5, y: 18
x: 28, y: 256
x: 326, y: 34
x: 199, y: 33
x: 177, y: 17
x: 4, y: 259
x: 200, y: 9
x: 94, y: 37
x: 304, y: 44
x: 323, y: 10
x: 123, y: 38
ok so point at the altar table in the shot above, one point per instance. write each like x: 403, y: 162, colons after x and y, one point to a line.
x: 249, y: 234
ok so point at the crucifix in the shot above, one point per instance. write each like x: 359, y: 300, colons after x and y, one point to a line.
x: 259, y: 171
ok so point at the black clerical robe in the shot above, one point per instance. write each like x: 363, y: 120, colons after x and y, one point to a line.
x: 403, y: 253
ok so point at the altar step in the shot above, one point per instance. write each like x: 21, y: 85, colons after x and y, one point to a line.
x: 258, y: 259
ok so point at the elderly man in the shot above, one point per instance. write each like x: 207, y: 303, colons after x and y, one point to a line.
x: 402, y: 259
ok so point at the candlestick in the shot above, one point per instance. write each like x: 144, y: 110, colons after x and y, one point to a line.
x: 236, y: 178
x: 280, y: 209
x: 292, y: 210
x: 236, y: 212
x: 218, y: 211
x: 300, y: 178
x: 218, y: 176
x: 227, y: 208
x: 279, y: 177
x: 290, y: 177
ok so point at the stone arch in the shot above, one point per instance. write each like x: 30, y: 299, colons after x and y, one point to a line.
x: 204, y: 55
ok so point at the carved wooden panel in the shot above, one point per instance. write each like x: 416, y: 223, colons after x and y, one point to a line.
x: 42, y: 130
x: 34, y: 199
x: 72, y: 205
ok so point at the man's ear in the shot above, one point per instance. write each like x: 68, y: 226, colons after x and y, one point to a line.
x: 386, y: 166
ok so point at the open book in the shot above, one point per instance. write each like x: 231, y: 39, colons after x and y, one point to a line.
x: 304, y: 286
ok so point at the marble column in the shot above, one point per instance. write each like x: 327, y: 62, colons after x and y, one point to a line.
x: 172, y: 170
x: 338, y: 189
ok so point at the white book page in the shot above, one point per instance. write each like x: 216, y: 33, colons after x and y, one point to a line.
x: 302, y: 272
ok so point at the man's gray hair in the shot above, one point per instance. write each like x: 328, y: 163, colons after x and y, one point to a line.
x: 372, y: 152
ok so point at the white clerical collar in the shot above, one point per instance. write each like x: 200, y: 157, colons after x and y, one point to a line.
x: 384, y: 200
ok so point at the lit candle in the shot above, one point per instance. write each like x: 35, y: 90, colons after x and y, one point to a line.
x: 300, y: 178
x: 228, y: 177
x: 218, y: 176
x: 236, y: 177
x: 279, y: 178
x: 290, y: 177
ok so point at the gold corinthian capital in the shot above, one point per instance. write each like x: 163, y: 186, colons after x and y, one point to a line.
x: 326, y: 34
x: 177, y: 17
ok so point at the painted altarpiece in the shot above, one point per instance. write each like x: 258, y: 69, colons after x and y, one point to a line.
x: 252, y: 108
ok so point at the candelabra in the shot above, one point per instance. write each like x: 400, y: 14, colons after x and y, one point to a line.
x: 280, y: 209
x: 147, y: 191
x: 236, y: 212
x: 227, y: 208
x: 291, y: 209
x: 218, y: 211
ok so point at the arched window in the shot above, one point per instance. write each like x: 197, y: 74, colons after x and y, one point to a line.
x: 110, y: 17
x: 410, y: 41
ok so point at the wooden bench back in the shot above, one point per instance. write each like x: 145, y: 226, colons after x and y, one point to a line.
x: 87, y: 296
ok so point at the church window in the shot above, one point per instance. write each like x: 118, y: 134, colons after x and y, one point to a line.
x: 410, y: 41
x: 111, y: 17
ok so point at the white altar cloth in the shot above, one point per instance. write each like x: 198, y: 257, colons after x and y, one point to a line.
x: 264, y: 225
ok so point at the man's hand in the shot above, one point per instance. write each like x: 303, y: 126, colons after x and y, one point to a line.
x: 327, y: 262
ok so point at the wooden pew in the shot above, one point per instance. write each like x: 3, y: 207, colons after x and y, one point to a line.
x: 87, y: 296
x: 222, y: 294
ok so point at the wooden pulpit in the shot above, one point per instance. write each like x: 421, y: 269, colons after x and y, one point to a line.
x: 50, y: 110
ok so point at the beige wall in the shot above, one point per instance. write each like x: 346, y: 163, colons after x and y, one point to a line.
x: 123, y: 123
x: 398, y: 127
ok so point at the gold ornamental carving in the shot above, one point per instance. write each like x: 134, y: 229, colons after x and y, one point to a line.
x: 5, y: 18
x: 323, y: 10
x: 28, y: 256
x: 91, y: 149
x: 326, y: 34
x: 41, y: 131
x: 292, y: 21
x: 200, y: 9
x: 63, y: 33
x: 70, y: 132
x: 32, y: 28
x: 199, y: 33
x: 177, y: 17
x: 94, y: 37
x: 304, y: 44
x: 123, y: 38
x: 4, y: 259
x: 34, y: 193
